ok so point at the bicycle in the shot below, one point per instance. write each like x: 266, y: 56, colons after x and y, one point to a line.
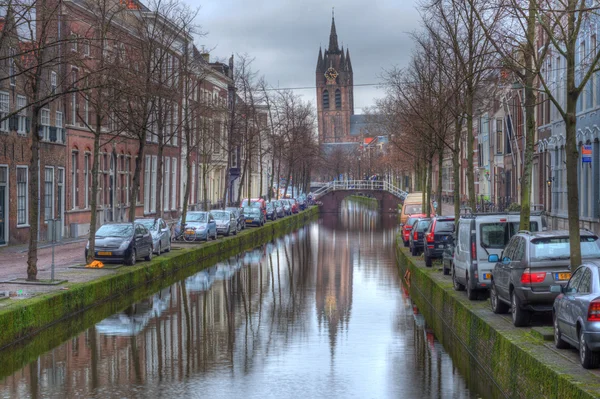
x: 187, y: 234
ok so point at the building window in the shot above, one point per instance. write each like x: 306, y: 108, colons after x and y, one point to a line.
x: 74, y: 97
x: 499, y: 136
x: 45, y: 122
x: 86, y: 47
x: 174, y: 183
x: 22, y: 124
x: 22, y: 186
x: 73, y: 42
x: 216, y: 137
x: 74, y: 181
x: 53, y: 81
x: 166, y: 186
x: 87, y: 176
x: 48, y: 193
x: 175, y: 124
x: 150, y: 184
x: 58, y: 122
x: 128, y: 178
x: 338, y: 99
x: 4, y: 110
x: 326, y: 99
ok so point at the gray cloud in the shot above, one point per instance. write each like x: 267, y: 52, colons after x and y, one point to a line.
x: 284, y: 37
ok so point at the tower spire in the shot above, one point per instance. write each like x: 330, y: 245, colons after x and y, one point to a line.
x: 333, y: 41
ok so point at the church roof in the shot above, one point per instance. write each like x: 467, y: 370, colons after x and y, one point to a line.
x: 358, y: 123
x: 333, y: 40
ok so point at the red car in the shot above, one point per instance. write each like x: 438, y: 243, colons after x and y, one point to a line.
x: 295, y: 206
x: 407, y: 227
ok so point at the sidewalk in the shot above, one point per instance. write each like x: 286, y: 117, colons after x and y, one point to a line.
x: 13, y: 264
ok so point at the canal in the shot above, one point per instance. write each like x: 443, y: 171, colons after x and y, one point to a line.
x: 318, y: 313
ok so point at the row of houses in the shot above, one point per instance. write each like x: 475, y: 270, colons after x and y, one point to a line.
x: 200, y: 100
x: 500, y: 134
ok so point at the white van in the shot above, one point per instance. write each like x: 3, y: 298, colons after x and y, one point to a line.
x: 477, y: 237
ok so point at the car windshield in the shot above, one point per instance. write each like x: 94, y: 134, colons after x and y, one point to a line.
x: 234, y: 210
x: 270, y: 206
x: 201, y: 217
x: 150, y: 224
x: 221, y: 215
x: 496, y: 235
x: 422, y: 225
x: 115, y: 230
x: 555, y: 248
x: 413, y: 208
x: 252, y: 211
x: 411, y: 221
x: 444, y: 226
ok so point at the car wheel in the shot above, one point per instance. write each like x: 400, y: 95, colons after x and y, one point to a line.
x: 405, y: 243
x: 149, y: 256
x: 457, y: 286
x: 427, y: 260
x: 228, y: 232
x: 132, y: 258
x: 498, y: 306
x: 520, y: 316
x: 159, y: 249
x: 558, y: 341
x: 168, y: 249
x: 471, y: 293
x: 235, y: 231
x: 413, y: 251
x: 589, y: 359
x: 446, y: 269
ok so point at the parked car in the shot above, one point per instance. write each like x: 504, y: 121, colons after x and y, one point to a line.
x: 226, y: 222
x: 417, y: 236
x: 294, y: 205
x: 407, y: 227
x: 279, y: 209
x: 161, y: 233
x: 271, y: 212
x: 122, y: 242
x: 239, y: 214
x: 437, y: 235
x: 477, y: 237
x: 255, y: 202
x: 302, y: 202
x: 448, y: 255
x: 413, y: 205
x: 529, y: 266
x: 576, y: 313
x: 203, y: 222
x: 287, y: 206
x: 254, y: 217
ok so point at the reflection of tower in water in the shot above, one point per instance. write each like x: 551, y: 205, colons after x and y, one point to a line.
x: 334, y: 284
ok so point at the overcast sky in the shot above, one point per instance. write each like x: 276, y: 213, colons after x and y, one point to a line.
x: 284, y: 37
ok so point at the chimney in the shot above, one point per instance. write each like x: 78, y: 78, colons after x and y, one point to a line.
x: 206, y: 56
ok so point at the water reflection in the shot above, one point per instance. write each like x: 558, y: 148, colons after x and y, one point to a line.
x: 317, y: 313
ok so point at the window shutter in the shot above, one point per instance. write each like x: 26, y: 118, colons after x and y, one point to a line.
x: 27, y: 125
x: 53, y: 134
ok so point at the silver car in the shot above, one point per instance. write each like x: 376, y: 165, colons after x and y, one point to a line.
x: 226, y: 222
x: 576, y: 314
x: 161, y: 233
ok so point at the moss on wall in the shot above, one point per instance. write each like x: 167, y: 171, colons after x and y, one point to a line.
x: 27, y: 317
x: 499, y: 361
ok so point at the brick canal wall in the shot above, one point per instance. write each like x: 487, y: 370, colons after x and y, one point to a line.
x: 495, y: 357
x: 30, y: 316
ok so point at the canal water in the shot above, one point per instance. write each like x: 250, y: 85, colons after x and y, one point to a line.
x: 317, y: 313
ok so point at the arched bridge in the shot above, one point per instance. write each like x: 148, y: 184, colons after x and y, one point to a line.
x: 330, y: 195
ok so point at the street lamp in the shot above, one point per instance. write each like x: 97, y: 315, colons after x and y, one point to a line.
x: 549, y: 181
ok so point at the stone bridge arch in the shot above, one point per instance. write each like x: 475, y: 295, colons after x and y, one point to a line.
x: 331, y: 201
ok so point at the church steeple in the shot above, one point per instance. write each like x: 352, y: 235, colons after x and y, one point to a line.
x: 333, y: 41
x: 320, y: 60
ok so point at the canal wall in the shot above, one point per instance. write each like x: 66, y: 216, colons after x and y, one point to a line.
x: 361, y: 199
x: 493, y: 355
x: 27, y: 317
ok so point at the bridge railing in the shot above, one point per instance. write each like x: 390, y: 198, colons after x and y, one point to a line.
x: 360, y: 185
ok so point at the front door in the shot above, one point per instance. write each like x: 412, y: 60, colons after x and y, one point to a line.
x: 3, y: 205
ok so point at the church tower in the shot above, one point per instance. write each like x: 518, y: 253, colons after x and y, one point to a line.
x: 335, y: 97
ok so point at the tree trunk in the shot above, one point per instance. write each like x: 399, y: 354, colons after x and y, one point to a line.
x: 429, y: 185
x: 34, y: 196
x: 456, y: 168
x: 186, y: 194
x: 470, y: 149
x: 160, y: 190
x: 204, y: 189
x: 135, y: 186
x: 530, y: 101
x: 439, y: 182
x: 94, y: 193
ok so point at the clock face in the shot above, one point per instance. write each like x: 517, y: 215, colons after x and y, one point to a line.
x: 330, y: 75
